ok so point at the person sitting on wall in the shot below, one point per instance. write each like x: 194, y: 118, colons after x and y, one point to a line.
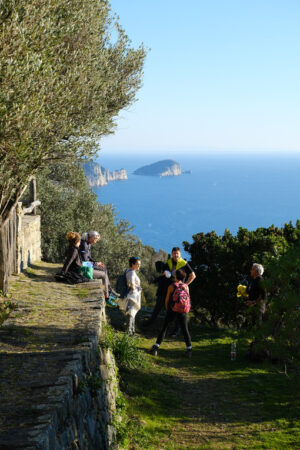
x: 70, y: 270
x: 100, y: 271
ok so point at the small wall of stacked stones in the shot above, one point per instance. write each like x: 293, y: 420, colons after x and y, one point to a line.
x: 64, y: 398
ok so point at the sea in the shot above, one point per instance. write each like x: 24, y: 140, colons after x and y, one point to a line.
x: 223, y: 191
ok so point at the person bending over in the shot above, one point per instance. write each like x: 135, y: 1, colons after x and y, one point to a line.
x: 172, y: 314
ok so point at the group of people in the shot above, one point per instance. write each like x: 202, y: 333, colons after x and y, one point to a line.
x: 172, y: 292
x: 79, y: 253
x: 175, y: 276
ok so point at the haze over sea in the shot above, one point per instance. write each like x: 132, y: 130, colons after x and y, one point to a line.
x: 223, y: 191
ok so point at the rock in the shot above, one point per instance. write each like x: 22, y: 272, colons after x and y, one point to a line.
x: 164, y: 168
x: 99, y: 176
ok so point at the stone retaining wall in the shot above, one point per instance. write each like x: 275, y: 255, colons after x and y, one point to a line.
x: 64, y: 398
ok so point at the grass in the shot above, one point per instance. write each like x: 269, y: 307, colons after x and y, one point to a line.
x: 209, y: 402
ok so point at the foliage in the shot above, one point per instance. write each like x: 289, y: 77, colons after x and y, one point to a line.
x: 6, y: 307
x: 92, y: 382
x: 64, y: 79
x: 222, y: 262
x: 124, y: 348
x: 280, y: 333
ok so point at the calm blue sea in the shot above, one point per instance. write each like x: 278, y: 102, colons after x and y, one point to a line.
x: 222, y: 192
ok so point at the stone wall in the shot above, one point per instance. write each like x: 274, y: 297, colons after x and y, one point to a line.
x: 63, y: 395
x: 28, y: 240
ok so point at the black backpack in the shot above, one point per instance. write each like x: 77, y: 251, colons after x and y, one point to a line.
x: 121, y: 285
x: 70, y: 277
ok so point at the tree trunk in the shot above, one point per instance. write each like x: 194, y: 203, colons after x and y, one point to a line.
x: 7, y: 251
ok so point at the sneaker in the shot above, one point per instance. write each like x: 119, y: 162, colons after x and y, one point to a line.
x: 188, y: 353
x: 153, y: 350
x: 110, y: 302
x: 114, y: 293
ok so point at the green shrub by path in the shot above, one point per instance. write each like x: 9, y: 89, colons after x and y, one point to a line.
x: 6, y: 307
x: 280, y: 332
x: 128, y: 357
x: 221, y: 262
x: 124, y: 348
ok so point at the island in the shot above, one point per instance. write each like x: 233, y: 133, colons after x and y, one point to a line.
x: 164, y: 168
x: 99, y: 176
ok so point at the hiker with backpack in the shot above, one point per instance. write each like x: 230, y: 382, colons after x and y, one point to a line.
x: 167, y: 277
x: 132, y: 292
x: 178, y: 304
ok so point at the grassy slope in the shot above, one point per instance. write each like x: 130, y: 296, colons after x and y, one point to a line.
x: 210, y: 402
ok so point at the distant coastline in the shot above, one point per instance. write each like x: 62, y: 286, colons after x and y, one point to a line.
x: 98, y: 176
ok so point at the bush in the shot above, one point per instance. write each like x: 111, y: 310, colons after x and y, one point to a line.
x: 123, y: 347
x: 6, y: 307
x: 222, y: 262
x: 280, y: 332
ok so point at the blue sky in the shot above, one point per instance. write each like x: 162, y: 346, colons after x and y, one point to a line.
x: 221, y: 75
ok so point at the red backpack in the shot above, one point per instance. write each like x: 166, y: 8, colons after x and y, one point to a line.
x: 181, y: 298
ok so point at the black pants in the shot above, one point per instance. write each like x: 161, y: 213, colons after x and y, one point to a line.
x: 182, y: 319
x: 159, y: 305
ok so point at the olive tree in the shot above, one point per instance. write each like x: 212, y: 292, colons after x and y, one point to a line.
x: 66, y: 69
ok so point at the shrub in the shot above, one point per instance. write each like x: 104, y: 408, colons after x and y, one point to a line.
x: 123, y: 347
x: 6, y: 307
x: 222, y: 262
x: 280, y: 332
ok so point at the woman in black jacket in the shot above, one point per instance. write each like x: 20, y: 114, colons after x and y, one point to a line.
x: 73, y: 260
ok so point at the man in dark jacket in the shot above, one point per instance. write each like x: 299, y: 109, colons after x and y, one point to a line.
x: 257, y: 294
x: 257, y: 304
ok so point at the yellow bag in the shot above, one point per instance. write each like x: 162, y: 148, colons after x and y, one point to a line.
x: 242, y: 291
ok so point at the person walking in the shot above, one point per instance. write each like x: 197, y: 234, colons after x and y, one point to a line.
x: 178, y: 305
